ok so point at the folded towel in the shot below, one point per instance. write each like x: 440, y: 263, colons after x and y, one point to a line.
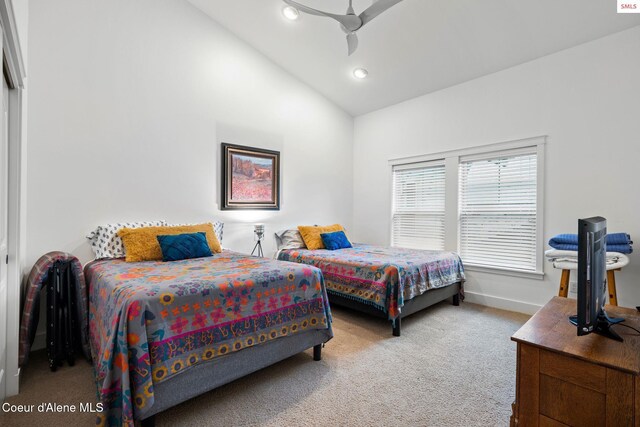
x: 619, y: 239
x: 616, y: 242
x: 564, y: 239
x: 625, y: 249
x: 572, y: 239
x: 556, y: 255
x: 609, y: 261
x: 568, y: 260
x: 565, y: 265
x: 564, y: 246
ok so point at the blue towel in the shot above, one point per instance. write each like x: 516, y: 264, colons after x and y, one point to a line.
x: 618, y: 239
x: 564, y: 239
x: 563, y: 246
x: 612, y: 239
x: 623, y: 249
x: 616, y: 242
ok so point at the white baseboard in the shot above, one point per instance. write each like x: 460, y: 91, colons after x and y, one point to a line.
x: 13, y: 384
x: 501, y: 303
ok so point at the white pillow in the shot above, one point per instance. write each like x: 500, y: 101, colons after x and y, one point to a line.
x: 289, y: 239
x: 105, y: 242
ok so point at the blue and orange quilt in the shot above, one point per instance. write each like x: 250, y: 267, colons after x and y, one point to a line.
x: 381, y: 276
x: 150, y: 321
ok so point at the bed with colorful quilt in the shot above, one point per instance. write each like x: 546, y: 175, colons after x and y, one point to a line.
x: 164, y: 332
x: 383, y: 281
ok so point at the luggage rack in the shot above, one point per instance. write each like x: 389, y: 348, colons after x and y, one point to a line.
x: 62, y: 325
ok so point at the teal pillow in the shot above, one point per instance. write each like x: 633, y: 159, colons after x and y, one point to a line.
x: 184, y: 246
x: 335, y: 240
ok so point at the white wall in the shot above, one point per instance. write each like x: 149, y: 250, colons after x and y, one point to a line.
x: 585, y: 99
x: 128, y: 104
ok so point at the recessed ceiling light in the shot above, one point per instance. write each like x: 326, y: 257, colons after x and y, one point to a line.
x: 291, y: 13
x: 360, y: 73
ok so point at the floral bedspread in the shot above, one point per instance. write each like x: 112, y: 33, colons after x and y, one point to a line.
x: 150, y: 321
x: 381, y: 276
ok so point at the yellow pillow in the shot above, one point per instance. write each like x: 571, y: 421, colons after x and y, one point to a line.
x: 311, y: 234
x: 141, y: 244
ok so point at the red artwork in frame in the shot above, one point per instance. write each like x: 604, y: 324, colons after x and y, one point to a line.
x: 250, y: 178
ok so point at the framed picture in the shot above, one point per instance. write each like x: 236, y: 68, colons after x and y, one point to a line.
x: 250, y: 178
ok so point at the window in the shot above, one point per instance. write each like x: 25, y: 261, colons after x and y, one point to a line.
x: 418, y: 206
x: 493, y: 215
x: 497, y: 209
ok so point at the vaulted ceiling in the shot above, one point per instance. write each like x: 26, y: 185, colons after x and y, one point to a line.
x: 417, y: 46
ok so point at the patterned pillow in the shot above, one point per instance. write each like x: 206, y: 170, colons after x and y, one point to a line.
x: 217, y: 228
x: 105, y: 242
x: 289, y: 239
x: 184, y: 246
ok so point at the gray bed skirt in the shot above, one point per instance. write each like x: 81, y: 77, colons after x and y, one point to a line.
x: 224, y: 369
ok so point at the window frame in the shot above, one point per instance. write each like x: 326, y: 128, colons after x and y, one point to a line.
x: 413, y: 166
x: 451, y: 159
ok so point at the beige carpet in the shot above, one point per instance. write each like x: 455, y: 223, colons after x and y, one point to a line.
x: 453, y: 366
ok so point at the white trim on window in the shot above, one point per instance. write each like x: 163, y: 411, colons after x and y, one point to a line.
x: 418, y: 205
x: 497, y: 211
x: 480, y: 149
x: 452, y: 160
x: 537, y: 275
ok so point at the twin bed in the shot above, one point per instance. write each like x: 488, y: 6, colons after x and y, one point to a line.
x: 164, y: 332
x: 385, y: 282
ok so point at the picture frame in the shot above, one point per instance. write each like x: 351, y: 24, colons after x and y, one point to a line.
x: 250, y: 178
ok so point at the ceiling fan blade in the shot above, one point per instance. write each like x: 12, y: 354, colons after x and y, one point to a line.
x: 376, y: 9
x: 352, y: 42
x: 351, y: 22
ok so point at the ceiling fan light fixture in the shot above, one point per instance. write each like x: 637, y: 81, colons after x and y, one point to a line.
x: 291, y: 13
x: 349, y: 22
x: 360, y: 73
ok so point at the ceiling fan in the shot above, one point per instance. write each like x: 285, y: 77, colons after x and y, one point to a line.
x: 350, y: 22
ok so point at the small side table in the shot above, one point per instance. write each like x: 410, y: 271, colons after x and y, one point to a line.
x: 611, y: 283
x: 562, y: 260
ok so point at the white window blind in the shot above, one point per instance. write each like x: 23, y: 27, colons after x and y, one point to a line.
x: 418, y: 206
x: 498, y: 212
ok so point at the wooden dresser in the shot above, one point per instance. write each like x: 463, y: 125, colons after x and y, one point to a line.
x: 563, y: 379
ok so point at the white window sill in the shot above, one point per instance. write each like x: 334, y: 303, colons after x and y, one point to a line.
x: 536, y: 275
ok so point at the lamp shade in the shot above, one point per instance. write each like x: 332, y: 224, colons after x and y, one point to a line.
x: 258, y: 229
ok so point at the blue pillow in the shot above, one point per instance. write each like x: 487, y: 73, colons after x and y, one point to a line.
x: 335, y: 240
x: 184, y: 246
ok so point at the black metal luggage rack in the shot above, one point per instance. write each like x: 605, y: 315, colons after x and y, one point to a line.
x: 62, y: 324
